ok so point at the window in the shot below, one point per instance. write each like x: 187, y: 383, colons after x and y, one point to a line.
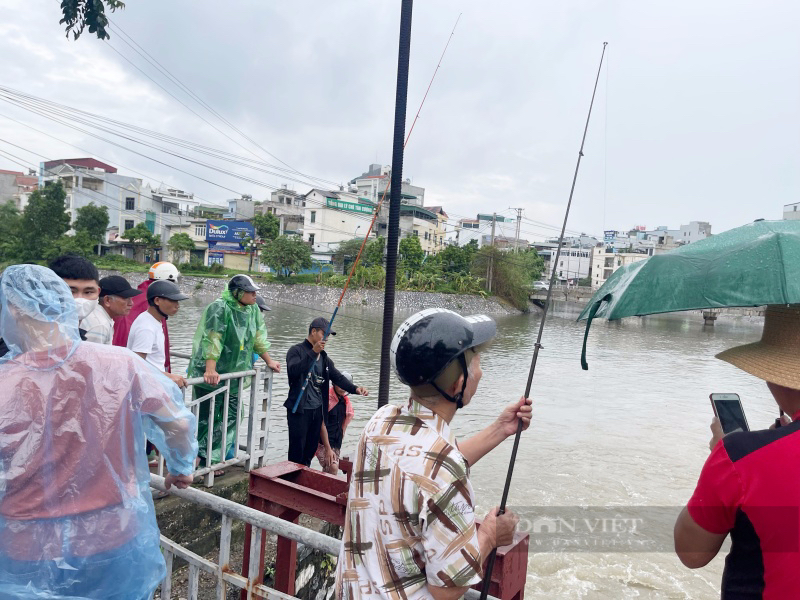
x: 91, y: 183
x: 416, y: 233
x: 200, y: 231
x: 426, y: 235
x: 311, y: 238
x: 128, y: 224
x: 130, y: 203
x: 313, y: 216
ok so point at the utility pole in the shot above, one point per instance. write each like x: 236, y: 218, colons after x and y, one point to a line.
x: 519, y: 222
x: 490, y: 267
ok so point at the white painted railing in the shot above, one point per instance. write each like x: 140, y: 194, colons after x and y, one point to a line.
x: 257, y: 403
x: 222, y: 570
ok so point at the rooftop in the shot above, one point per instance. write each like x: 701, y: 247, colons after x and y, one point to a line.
x: 86, y: 163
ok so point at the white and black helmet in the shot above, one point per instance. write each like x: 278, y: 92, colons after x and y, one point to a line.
x: 428, y: 341
x: 244, y: 283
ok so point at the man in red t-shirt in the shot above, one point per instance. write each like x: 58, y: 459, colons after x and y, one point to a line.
x: 750, y: 485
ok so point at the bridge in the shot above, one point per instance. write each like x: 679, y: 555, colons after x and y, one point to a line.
x: 575, y: 294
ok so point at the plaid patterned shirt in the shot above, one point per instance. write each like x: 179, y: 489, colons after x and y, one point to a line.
x: 411, y: 519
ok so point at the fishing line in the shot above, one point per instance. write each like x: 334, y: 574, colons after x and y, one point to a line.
x: 369, y: 230
x: 538, y: 345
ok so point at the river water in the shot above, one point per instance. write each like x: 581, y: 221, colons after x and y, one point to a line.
x: 630, y: 432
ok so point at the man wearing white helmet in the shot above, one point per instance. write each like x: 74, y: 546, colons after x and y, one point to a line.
x: 410, y: 529
x: 160, y: 271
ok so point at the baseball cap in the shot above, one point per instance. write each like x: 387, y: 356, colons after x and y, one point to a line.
x: 320, y: 323
x: 114, y: 285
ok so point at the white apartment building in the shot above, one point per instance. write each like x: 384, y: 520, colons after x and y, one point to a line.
x: 606, y: 260
x: 330, y: 218
x: 479, y: 228
x: 377, y: 179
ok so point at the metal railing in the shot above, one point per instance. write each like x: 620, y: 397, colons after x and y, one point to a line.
x: 250, y: 453
x: 222, y: 570
x: 261, y: 524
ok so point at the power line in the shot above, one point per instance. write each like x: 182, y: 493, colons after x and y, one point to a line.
x: 154, y: 62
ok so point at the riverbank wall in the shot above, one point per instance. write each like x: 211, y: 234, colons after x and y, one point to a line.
x: 752, y: 313
x: 323, y: 297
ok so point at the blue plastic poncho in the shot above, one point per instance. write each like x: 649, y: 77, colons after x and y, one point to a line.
x: 76, y: 512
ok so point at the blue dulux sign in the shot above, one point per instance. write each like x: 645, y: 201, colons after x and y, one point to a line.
x: 229, y: 231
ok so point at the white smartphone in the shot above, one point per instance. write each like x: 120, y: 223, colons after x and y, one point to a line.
x: 729, y: 411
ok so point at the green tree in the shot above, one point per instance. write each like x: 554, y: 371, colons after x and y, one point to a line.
x: 93, y: 220
x: 80, y: 243
x: 78, y: 14
x: 144, y: 239
x: 458, y: 259
x: 411, y: 253
x: 267, y: 226
x: 10, y: 229
x: 346, y: 253
x: 513, y: 272
x: 287, y: 254
x: 373, y: 252
x: 180, y: 244
x: 44, y: 221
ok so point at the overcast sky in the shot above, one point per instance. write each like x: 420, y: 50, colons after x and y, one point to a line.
x: 697, y: 115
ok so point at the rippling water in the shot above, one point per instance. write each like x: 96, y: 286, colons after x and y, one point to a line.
x: 631, y: 431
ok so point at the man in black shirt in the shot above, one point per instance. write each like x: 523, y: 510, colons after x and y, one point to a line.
x: 307, y: 423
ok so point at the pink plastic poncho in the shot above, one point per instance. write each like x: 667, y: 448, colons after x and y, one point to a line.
x: 76, y: 512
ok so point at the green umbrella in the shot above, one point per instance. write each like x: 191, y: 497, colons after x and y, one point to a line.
x: 752, y: 265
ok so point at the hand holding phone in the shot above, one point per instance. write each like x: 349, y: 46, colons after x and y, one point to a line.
x: 729, y: 411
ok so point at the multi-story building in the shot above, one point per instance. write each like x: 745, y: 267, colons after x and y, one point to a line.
x: 16, y: 186
x: 288, y: 206
x: 440, y: 235
x: 606, y: 260
x: 334, y: 217
x: 575, y: 260
x: 480, y: 230
x: 89, y: 181
x: 791, y: 212
x: 240, y: 209
x: 195, y: 228
x: 377, y: 180
x: 424, y: 224
x: 129, y: 201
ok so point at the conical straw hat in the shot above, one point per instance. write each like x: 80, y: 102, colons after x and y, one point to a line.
x: 776, y: 358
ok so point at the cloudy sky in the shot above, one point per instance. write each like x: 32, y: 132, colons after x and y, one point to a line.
x: 697, y: 115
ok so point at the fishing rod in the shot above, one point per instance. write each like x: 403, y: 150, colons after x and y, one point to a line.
x: 538, y: 345
x: 374, y: 218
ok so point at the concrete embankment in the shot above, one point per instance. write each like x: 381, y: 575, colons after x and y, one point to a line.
x: 572, y: 308
x: 323, y: 296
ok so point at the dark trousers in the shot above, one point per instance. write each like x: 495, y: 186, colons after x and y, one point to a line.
x: 304, y: 426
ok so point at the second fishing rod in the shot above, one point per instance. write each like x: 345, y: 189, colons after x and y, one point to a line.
x: 538, y: 345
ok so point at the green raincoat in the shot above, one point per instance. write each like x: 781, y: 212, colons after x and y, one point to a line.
x: 228, y: 332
